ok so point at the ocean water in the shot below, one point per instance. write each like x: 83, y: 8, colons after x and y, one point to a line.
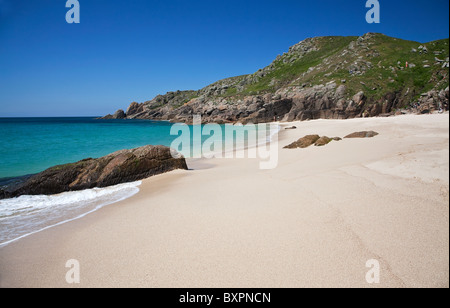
x: 31, y: 145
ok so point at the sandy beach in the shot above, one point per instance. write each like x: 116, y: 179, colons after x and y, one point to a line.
x: 314, y: 221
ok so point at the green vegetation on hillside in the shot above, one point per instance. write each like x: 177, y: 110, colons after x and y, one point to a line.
x: 284, y: 73
x: 374, y: 63
x: 383, y: 60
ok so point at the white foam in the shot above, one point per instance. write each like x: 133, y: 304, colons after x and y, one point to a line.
x: 26, y: 215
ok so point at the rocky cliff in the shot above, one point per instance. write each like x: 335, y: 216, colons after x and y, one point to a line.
x: 324, y: 77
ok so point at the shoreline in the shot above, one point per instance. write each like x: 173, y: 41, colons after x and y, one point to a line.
x: 193, y: 161
x: 172, y: 203
x: 99, y: 205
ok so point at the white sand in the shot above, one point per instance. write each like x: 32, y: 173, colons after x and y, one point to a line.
x: 313, y: 221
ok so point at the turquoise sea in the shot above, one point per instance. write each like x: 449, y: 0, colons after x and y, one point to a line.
x: 31, y: 145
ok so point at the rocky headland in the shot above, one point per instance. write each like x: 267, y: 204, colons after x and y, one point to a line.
x: 319, y: 78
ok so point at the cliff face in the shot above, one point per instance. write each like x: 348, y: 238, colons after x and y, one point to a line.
x: 324, y: 77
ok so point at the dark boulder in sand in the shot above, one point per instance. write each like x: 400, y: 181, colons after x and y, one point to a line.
x: 324, y: 140
x: 116, y: 168
x: 364, y: 134
x: 303, y: 142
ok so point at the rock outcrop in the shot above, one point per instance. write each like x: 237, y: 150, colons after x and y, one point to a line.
x: 303, y: 142
x: 135, y: 108
x: 119, y: 167
x: 118, y: 115
x: 364, y: 134
x: 432, y: 101
x: 324, y: 140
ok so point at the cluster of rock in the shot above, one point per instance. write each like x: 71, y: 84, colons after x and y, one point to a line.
x: 327, y: 101
x: 119, y: 167
x: 444, y: 63
x: 309, y: 140
x: 318, y: 141
x: 296, y: 103
x: 118, y: 115
x: 432, y: 101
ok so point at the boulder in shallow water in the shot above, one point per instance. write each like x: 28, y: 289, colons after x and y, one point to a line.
x: 119, y: 167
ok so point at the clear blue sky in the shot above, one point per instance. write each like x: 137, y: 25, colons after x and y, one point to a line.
x: 132, y: 50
